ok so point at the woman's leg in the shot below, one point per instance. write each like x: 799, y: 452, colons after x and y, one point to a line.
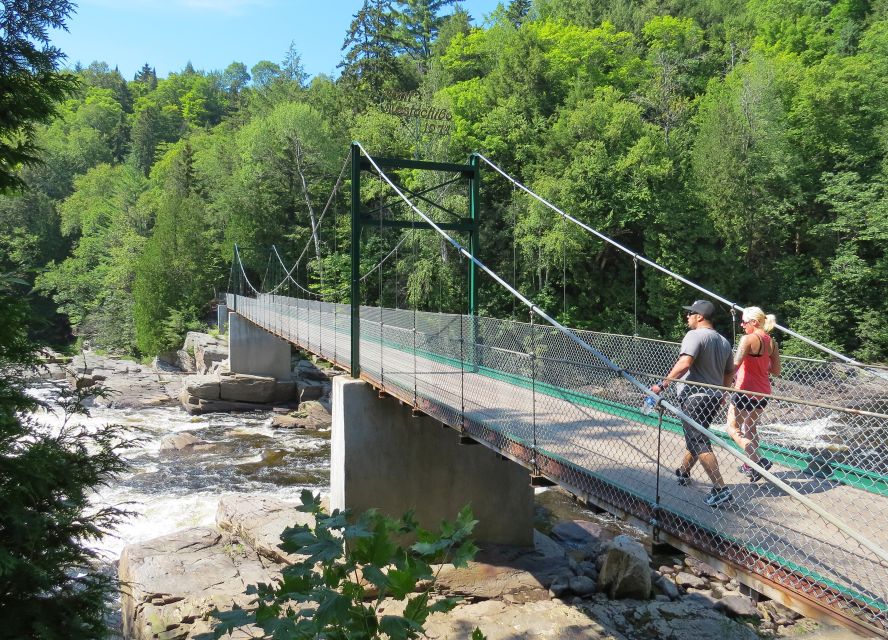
x: 750, y: 429
x: 744, y: 439
x: 734, y: 426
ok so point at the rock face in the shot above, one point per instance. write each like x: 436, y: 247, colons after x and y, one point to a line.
x: 173, y: 582
x: 259, y: 522
x: 625, y: 571
x: 127, y: 384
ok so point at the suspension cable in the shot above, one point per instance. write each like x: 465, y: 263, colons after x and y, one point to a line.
x: 878, y: 551
x: 653, y: 264
x: 240, y: 263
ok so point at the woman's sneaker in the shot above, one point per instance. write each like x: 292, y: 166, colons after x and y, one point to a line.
x: 683, y: 477
x: 745, y: 469
x: 718, y: 496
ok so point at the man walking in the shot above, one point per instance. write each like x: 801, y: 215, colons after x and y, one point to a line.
x: 705, y: 357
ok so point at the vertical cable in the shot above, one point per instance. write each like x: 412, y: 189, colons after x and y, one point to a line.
x: 533, y: 462
x: 462, y: 374
x: 514, y: 249
x: 655, y: 520
x: 381, y: 326
x: 564, y: 269
x: 635, y: 292
x: 415, y: 303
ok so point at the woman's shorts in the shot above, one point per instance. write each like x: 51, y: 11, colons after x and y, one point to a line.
x: 749, y: 403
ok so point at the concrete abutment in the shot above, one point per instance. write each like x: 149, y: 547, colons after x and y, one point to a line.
x: 254, y: 351
x: 385, y: 458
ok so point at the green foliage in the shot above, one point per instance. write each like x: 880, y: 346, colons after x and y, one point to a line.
x: 50, y: 584
x: 348, y: 568
x: 30, y: 83
x: 740, y: 143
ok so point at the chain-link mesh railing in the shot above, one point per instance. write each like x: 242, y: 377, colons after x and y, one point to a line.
x: 530, y: 392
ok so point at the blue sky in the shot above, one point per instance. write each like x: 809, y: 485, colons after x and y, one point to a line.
x: 213, y: 33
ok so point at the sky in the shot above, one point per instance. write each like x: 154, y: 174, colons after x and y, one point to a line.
x: 212, y: 34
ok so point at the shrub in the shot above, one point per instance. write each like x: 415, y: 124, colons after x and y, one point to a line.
x: 348, y: 569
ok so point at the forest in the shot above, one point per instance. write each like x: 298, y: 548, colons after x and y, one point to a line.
x: 739, y: 143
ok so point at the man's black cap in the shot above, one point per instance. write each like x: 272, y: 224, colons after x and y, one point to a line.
x: 703, y: 307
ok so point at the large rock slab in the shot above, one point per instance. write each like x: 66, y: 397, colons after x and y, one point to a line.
x: 499, y: 571
x: 501, y: 620
x: 625, y: 571
x: 245, y: 388
x: 681, y: 620
x: 126, y: 384
x: 259, y: 521
x: 202, y: 387
x: 171, y: 583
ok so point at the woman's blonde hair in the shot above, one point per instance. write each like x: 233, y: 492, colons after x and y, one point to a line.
x: 765, y: 322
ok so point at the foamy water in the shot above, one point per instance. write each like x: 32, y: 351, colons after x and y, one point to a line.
x: 174, y: 490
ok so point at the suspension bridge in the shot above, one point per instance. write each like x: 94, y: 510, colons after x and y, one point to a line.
x: 565, y: 404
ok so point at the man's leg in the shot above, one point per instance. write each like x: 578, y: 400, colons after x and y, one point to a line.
x: 710, y: 466
x: 687, y: 462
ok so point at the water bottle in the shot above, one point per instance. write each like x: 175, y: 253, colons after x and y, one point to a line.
x: 648, y: 405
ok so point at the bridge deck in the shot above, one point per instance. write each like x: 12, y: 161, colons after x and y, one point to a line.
x: 610, y: 442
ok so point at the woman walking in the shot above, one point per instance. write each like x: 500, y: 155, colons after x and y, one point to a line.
x: 756, y: 360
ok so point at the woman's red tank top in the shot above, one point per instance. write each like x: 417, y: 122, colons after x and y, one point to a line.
x: 753, y: 373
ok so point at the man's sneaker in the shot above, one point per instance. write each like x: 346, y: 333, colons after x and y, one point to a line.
x: 765, y: 464
x: 683, y: 477
x: 718, y: 496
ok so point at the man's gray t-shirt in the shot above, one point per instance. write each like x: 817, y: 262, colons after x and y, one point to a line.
x: 712, y: 357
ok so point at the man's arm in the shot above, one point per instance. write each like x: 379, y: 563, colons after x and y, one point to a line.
x: 680, y: 367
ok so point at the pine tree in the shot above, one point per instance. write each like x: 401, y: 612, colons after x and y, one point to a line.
x: 30, y: 83
x: 420, y: 21
x: 372, y: 47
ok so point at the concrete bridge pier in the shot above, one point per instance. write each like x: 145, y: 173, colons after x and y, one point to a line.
x: 254, y: 351
x: 384, y: 457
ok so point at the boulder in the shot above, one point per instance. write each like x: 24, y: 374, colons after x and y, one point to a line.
x: 625, y: 571
x: 202, y: 387
x: 310, y: 415
x: 579, y: 533
x: 667, y: 588
x: 738, y: 607
x: 206, y: 349
x: 245, y: 388
x: 184, y: 442
x: 311, y: 390
x: 306, y: 370
x: 173, y: 582
x: 260, y: 521
x: 582, y: 586
x: 689, y: 580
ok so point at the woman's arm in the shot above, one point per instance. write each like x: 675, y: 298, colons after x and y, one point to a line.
x: 742, y: 350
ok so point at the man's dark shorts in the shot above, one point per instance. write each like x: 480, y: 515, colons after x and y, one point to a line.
x: 702, y: 408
